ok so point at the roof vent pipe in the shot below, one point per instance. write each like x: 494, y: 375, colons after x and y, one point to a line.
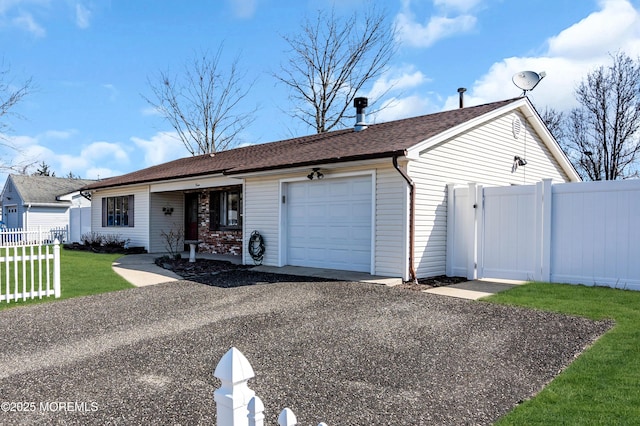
x: 461, y: 91
x: 361, y: 121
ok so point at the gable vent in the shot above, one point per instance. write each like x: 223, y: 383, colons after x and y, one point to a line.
x: 516, y: 127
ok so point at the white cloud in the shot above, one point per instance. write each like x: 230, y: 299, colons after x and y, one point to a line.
x: 101, y: 173
x: 113, y: 91
x: 150, y: 111
x: 397, y: 79
x: 570, y: 56
x: 105, y: 150
x: 243, y: 9
x: 450, y: 17
x: 599, y: 33
x: 98, y: 158
x: 59, y: 134
x: 83, y: 16
x: 26, y: 22
x: 398, y: 108
x: 417, y: 34
x: 162, y: 147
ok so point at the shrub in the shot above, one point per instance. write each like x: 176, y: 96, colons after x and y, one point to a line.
x: 113, y: 241
x: 173, y: 239
x: 92, y: 239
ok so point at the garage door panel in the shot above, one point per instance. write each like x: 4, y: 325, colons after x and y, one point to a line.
x: 329, y: 223
x: 361, y: 209
x: 361, y: 234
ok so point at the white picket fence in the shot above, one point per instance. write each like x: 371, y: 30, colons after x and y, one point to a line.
x: 11, y: 237
x: 236, y: 404
x: 29, y: 272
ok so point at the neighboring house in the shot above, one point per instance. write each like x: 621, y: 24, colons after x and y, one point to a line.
x: 30, y: 202
x: 370, y: 199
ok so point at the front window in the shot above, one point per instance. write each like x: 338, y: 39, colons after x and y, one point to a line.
x: 225, y: 208
x: 117, y: 211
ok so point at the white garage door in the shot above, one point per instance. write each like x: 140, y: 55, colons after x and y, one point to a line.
x: 329, y: 223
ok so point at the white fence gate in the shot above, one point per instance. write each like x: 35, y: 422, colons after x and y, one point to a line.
x: 29, y: 272
x: 581, y: 233
x: 236, y: 404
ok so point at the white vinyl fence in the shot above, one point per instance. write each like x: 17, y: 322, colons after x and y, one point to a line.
x: 29, y: 272
x: 10, y: 237
x: 79, y: 223
x: 236, y: 404
x: 579, y: 233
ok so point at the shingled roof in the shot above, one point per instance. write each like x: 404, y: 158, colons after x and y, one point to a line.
x: 377, y: 141
x: 46, y: 189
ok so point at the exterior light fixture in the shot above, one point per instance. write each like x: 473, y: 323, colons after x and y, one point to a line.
x: 315, y: 172
x: 517, y: 161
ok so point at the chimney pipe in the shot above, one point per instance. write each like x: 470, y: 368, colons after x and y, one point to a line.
x: 361, y: 121
x: 461, y: 90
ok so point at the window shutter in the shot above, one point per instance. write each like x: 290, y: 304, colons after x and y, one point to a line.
x: 131, y: 211
x: 104, y: 212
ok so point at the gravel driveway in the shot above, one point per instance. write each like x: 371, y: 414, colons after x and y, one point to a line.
x: 343, y: 353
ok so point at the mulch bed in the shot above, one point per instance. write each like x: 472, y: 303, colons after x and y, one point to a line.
x: 104, y: 249
x: 201, y: 267
x: 220, y: 273
x: 431, y: 282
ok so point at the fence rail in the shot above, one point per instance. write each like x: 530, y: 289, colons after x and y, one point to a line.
x: 11, y: 237
x: 236, y: 404
x: 29, y: 272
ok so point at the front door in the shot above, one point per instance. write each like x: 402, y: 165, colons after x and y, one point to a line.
x: 191, y: 217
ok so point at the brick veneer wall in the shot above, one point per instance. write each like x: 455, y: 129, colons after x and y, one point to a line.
x: 219, y: 242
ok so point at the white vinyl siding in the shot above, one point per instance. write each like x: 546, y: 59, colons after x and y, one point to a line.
x: 164, y: 222
x: 261, y: 213
x: 391, y: 229
x: 483, y: 155
x: 48, y: 217
x: 139, y: 233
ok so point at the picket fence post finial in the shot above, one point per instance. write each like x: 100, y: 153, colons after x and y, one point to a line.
x: 256, y: 412
x: 287, y: 418
x: 233, y: 396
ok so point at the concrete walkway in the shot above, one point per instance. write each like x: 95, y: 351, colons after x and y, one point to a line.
x: 141, y: 270
x: 476, y: 289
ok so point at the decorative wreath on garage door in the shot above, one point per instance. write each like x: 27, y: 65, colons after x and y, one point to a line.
x: 256, y: 247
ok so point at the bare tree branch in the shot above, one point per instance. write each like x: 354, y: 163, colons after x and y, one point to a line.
x: 11, y: 94
x: 602, y: 136
x: 330, y: 62
x: 201, y: 104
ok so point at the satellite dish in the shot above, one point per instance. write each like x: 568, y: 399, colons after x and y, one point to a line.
x: 527, y: 80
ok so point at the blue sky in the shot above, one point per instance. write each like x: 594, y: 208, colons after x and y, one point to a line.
x: 91, y: 61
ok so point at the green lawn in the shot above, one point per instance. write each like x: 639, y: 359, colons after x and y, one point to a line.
x: 81, y: 274
x: 602, y: 386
